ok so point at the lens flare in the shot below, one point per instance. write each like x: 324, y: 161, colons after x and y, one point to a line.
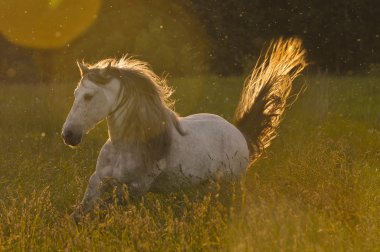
x: 46, y: 24
x: 54, y: 3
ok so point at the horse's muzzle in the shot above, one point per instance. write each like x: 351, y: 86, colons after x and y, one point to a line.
x: 71, y: 137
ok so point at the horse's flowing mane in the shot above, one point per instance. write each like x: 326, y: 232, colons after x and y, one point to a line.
x: 133, y: 68
x: 145, y: 105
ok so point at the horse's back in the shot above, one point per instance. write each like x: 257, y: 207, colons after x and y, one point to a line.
x: 210, y: 148
x: 212, y: 134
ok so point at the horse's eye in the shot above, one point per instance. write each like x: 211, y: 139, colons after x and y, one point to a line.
x: 87, y: 97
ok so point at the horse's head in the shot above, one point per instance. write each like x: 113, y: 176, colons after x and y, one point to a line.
x: 95, y: 97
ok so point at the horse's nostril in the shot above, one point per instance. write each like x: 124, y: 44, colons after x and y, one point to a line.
x: 71, y: 138
x: 68, y: 134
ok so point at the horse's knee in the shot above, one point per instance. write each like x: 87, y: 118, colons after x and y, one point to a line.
x: 136, y: 191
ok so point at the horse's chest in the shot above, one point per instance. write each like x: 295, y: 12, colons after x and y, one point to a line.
x: 120, y: 166
x: 125, y: 169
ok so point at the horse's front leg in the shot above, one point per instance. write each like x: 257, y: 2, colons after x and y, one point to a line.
x: 142, y: 184
x: 98, y: 181
x: 92, y: 195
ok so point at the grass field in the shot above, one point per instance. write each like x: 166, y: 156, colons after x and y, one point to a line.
x: 317, y: 187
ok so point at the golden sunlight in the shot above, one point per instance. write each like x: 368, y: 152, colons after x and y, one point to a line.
x: 46, y: 24
x: 54, y: 3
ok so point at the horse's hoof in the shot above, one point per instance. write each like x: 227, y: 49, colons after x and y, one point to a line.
x: 75, y: 218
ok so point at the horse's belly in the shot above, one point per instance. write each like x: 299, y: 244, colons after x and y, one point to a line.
x: 211, y: 149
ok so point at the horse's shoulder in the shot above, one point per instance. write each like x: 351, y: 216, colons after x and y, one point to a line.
x: 110, y: 152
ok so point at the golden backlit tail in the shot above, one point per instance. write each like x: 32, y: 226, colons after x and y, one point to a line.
x: 265, y: 93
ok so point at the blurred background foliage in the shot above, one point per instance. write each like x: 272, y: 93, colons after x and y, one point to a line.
x: 40, y: 40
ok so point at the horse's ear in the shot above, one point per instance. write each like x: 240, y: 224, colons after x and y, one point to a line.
x: 83, y: 69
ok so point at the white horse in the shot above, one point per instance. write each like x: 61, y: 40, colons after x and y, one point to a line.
x: 150, y: 148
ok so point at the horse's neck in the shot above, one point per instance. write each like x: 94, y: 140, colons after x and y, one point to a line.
x: 116, y: 126
x: 151, y: 145
x: 119, y: 132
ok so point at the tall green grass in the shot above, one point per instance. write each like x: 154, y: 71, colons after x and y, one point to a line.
x: 317, y: 188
